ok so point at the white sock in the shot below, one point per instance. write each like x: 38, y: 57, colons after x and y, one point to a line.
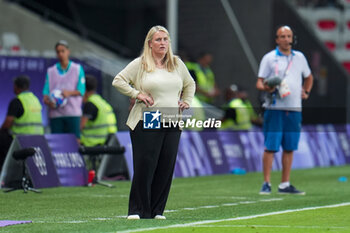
x: 268, y: 183
x: 284, y: 185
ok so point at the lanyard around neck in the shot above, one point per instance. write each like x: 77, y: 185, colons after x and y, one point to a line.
x: 286, y: 71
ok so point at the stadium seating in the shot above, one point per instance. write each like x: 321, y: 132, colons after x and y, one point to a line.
x: 344, y: 58
x: 331, y: 40
x: 3, y: 52
x: 11, y: 41
x: 345, y: 3
x: 34, y: 53
x: 49, y: 53
x: 326, y: 22
x: 346, y: 29
x: 332, y: 26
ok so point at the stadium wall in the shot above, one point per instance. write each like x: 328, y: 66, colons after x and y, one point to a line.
x: 36, y: 33
x: 204, y: 26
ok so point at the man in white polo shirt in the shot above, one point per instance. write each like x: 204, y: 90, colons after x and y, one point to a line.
x: 285, y: 75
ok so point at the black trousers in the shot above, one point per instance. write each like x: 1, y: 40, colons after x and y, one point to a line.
x: 154, y: 155
x: 5, y: 143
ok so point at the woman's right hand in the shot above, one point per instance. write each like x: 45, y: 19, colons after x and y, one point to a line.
x: 147, y: 99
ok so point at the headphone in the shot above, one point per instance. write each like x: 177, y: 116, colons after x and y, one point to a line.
x: 294, y: 39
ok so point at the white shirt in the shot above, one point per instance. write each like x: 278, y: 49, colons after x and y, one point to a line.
x: 293, y: 69
x: 164, y: 86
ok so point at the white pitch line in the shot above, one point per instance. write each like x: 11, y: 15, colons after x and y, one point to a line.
x: 270, y: 226
x: 230, y: 197
x: 237, y: 218
x: 208, y: 206
x: 224, y: 205
x: 271, y: 199
x: 229, y: 204
x: 188, y: 208
x: 70, y: 222
x: 103, y: 196
x: 247, y: 202
x: 171, y: 211
x: 80, y: 221
x: 102, y: 219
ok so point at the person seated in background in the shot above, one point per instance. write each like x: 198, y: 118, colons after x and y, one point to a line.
x: 206, y: 88
x: 239, y: 113
x: 98, y: 120
x: 255, y: 119
x: 23, y: 116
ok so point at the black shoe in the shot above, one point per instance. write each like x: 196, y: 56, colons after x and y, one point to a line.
x: 265, y: 189
x: 290, y: 190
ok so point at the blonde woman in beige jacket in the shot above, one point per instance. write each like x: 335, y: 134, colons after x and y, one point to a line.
x: 158, y: 80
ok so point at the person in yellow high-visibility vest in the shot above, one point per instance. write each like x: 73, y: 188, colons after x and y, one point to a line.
x: 98, y: 120
x: 255, y: 118
x: 237, y: 114
x: 23, y: 116
x: 197, y: 112
x: 206, y: 88
x: 197, y: 109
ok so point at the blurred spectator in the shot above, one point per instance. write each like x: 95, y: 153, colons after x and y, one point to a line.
x: 254, y: 117
x: 68, y: 77
x: 206, y: 88
x: 23, y: 116
x: 197, y: 109
x: 239, y: 113
x: 98, y: 120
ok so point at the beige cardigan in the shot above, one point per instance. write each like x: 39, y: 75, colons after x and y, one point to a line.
x: 128, y: 83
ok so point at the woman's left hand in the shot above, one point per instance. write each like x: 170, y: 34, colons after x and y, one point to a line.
x: 66, y: 93
x: 183, y: 105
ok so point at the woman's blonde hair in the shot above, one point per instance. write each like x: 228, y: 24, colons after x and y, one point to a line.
x: 148, y: 63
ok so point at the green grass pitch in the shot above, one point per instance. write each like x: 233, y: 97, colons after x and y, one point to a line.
x: 200, y: 204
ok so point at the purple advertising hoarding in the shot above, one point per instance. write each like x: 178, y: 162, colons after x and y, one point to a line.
x: 40, y: 166
x: 193, y: 157
x: 218, y: 152
x: 124, y: 140
x: 69, y: 163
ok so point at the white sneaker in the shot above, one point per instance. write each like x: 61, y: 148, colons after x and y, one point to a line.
x: 133, y: 217
x: 160, y: 217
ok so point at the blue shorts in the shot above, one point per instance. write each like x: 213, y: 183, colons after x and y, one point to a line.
x: 282, y: 128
